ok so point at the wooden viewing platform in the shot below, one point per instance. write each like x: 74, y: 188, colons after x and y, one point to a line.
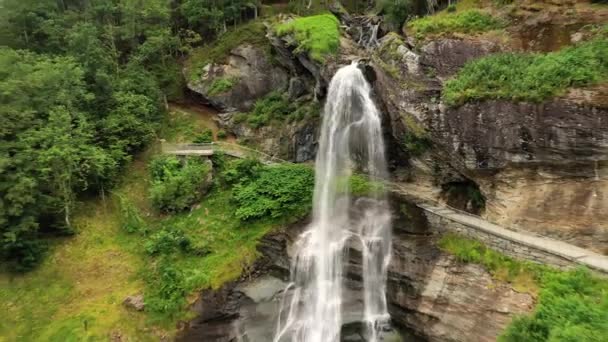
x: 208, y: 149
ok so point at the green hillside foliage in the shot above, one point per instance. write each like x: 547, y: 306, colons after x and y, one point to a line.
x: 468, y: 21
x: 177, y: 184
x: 83, y: 86
x: 572, y: 305
x: 529, y: 77
x: 317, y: 35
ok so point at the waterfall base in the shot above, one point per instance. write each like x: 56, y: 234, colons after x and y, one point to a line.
x: 249, y: 315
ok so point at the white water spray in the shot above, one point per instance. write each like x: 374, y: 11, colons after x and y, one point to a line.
x: 351, y: 141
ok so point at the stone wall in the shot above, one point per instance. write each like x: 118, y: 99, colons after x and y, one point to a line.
x: 504, y: 245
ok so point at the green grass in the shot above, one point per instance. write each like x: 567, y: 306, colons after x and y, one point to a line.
x: 468, y: 21
x: 361, y: 185
x: 317, y: 35
x: 83, y: 280
x: 222, y: 85
x: 276, y: 107
x: 529, y: 77
x: 213, y: 227
x: 76, y: 294
x: 253, y: 32
x: 572, y: 305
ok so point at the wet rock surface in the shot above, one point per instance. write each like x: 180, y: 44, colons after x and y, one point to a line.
x: 432, y: 297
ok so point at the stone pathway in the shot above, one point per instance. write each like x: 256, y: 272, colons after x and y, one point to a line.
x: 565, y: 250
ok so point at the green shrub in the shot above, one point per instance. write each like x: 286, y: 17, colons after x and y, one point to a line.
x: 361, y: 185
x: 277, y: 107
x: 23, y: 255
x: 239, y: 117
x: 167, y: 241
x: 221, y: 85
x: 130, y: 219
x: 273, y: 106
x: 396, y: 12
x: 279, y: 191
x: 469, y: 21
x: 241, y: 171
x: 177, y: 185
x: 205, y: 137
x: 573, y: 306
x: 166, y: 290
x: 318, y: 35
x: 529, y: 77
x: 221, y: 134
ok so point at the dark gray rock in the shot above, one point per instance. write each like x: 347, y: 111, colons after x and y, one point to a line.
x: 251, y: 71
x: 447, y: 56
x: 297, y: 88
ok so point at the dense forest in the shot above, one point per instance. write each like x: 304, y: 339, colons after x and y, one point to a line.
x: 84, y: 86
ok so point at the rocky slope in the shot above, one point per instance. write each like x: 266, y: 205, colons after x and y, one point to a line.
x: 542, y: 167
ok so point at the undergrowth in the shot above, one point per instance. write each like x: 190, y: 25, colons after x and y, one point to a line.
x: 317, y: 35
x: 276, y: 107
x: 529, y: 77
x: 222, y: 85
x: 572, y: 305
x: 469, y: 21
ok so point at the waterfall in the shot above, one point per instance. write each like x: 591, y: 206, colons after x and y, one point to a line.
x: 351, y: 141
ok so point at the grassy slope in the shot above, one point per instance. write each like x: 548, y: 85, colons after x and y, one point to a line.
x: 530, y: 77
x: 81, y: 283
x: 85, y: 278
x: 470, y: 16
x: 572, y: 305
x: 318, y: 35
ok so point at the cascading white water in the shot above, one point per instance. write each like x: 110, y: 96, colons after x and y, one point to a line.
x: 351, y: 141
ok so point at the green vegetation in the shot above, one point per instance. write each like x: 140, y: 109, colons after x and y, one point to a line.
x: 362, y: 185
x: 76, y: 292
x: 469, y: 21
x: 205, y: 137
x: 396, y: 12
x: 277, y: 107
x: 221, y: 134
x: 212, y: 17
x: 79, y: 97
x: 222, y: 85
x: 572, y: 305
x: 253, y: 33
x: 317, y: 35
x: 529, y: 77
x: 416, y: 139
x: 196, y: 250
x: 177, y: 184
x: 280, y: 191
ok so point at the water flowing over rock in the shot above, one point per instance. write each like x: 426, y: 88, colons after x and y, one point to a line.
x: 351, y: 140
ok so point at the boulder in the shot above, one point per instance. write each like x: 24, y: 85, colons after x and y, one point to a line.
x: 135, y: 302
x: 248, y: 73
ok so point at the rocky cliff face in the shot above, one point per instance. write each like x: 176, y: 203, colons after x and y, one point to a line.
x: 248, y: 74
x: 542, y: 167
